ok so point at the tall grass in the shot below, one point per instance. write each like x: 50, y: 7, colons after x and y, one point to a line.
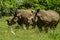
x: 31, y: 34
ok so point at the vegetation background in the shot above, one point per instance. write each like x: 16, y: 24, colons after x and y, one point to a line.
x: 32, y: 34
x: 7, y: 5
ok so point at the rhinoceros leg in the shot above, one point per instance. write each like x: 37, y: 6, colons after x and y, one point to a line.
x: 12, y: 31
x: 27, y: 26
x: 56, y: 24
x: 46, y: 26
x: 53, y: 25
x: 33, y: 26
x: 24, y: 27
x: 39, y: 27
x: 46, y: 29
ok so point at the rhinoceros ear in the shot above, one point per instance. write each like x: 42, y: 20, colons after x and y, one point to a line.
x: 31, y: 11
x: 12, y: 11
x: 38, y: 10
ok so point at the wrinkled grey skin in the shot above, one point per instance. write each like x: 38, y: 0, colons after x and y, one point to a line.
x: 23, y: 17
x: 27, y: 14
x: 48, y: 19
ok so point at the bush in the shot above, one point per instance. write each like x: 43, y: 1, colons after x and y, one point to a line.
x: 7, y: 5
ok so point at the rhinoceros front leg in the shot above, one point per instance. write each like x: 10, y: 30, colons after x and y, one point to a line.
x: 39, y: 27
x: 24, y: 27
x: 12, y: 31
x: 46, y: 29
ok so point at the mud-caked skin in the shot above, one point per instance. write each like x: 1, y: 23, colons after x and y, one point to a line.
x: 47, y: 18
x: 23, y: 17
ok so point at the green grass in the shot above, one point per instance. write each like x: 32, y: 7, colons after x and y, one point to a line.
x: 31, y: 34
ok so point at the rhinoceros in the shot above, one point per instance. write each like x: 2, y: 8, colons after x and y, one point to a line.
x: 47, y: 18
x: 23, y: 17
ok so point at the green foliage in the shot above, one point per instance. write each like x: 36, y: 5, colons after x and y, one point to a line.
x: 7, y: 5
x: 31, y: 34
x: 51, y: 4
